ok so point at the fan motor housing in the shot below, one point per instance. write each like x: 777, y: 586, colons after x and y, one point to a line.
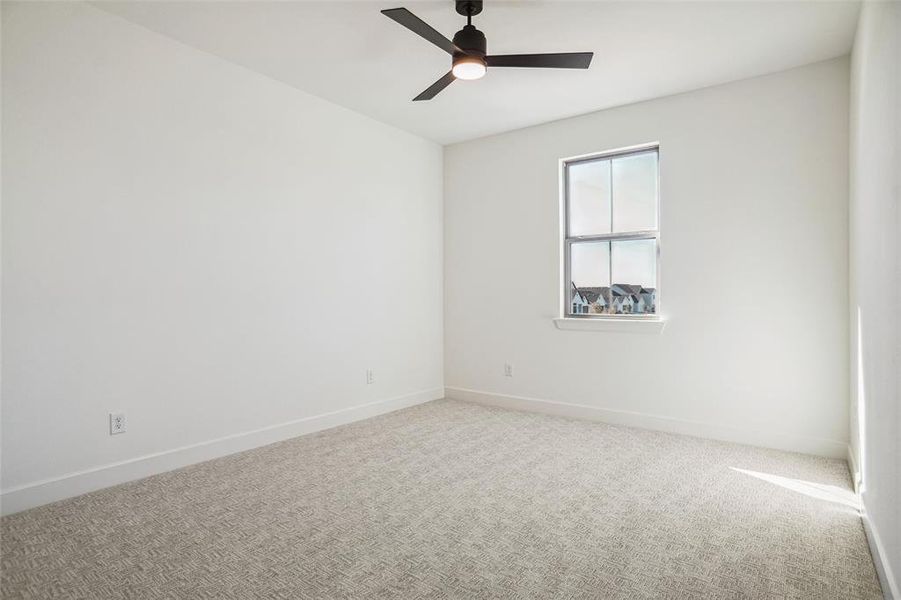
x: 471, y: 41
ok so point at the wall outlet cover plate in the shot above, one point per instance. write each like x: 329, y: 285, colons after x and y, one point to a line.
x: 117, y: 423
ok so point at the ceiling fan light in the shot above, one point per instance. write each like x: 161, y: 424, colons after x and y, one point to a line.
x: 469, y: 68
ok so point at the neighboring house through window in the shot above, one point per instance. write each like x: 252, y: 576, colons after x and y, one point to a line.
x: 611, y: 244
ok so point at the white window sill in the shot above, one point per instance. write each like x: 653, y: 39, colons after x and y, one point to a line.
x: 615, y: 324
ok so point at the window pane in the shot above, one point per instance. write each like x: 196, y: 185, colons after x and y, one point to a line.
x: 634, y: 277
x: 635, y: 192
x: 590, y: 269
x: 589, y: 197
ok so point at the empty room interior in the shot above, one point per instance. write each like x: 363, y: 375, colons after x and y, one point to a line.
x: 450, y: 299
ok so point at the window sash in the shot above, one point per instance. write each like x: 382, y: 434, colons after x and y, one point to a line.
x: 603, y: 156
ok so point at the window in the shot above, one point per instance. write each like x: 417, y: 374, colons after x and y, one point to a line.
x: 611, y: 244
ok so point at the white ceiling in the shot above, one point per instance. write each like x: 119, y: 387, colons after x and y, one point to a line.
x: 349, y: 53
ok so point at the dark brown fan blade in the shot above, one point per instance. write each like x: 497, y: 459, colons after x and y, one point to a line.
x: 420, y: 28
x: 436, y: 87
x: 562, y: 60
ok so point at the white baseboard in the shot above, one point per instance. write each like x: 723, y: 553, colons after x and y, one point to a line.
x: 74, y: 484
x: 890, y: 587
x: 766, y: 439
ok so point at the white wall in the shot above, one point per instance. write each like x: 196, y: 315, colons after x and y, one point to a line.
x: 754, y: 263
x: 202, y: 247
x: 875, y: 278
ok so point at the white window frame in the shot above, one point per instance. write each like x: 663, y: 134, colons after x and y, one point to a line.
x: 566, y: 321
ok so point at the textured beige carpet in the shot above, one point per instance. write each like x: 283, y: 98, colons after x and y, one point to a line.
x: 452, y: 500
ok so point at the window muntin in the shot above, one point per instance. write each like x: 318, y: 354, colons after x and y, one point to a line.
x: 611, y: 244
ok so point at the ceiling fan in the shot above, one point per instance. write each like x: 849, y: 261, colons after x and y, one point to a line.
x: 470, y: 59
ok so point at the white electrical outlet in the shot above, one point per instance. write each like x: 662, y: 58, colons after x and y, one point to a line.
x: 508, y: 370
x: 370, y: 377
x: 116, y: 423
